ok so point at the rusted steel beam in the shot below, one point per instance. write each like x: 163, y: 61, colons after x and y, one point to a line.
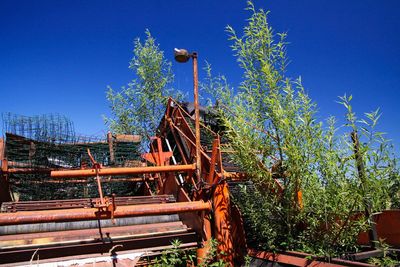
x: 86, y: 181
x: 111, y: 147
x: 1, y: 150
x: 123, y: 171
x: 191, y: 142
x: 215, y: 148
x: 197, y: 115
x: 127, y: 138
x: 80, y: 203
x: 183, y: 111
x: 302, y: 259
x: 28, y: 170
x: 5, y: 192
x: 376, y: 253
x: 27, y: 217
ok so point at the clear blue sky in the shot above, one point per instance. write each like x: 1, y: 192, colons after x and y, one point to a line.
x: 59, y: 56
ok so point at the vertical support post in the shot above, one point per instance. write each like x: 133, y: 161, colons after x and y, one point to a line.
x: 97, y: 166
x: 203, y: 252
x: 111, y: 147
x: 2, y: 154
x: 5, y: 192
x: 373, y: 235
x: 161, y: 158
x: 222, y: 222
x: 214, y: 155
x: 197, y: 115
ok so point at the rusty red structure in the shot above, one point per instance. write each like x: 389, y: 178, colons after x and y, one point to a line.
x: 179, y: 201
x: 183, y: 189
x: 176, y: 202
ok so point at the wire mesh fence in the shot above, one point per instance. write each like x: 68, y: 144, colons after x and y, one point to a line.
x: 38, y: 144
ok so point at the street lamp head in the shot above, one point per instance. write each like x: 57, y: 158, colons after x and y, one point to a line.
x: 181, y: 55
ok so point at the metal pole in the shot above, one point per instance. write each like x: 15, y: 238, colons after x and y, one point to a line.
x: 67, y: 215
x: 197, y: 114
x: 123, y: 171
x: 111, y: 147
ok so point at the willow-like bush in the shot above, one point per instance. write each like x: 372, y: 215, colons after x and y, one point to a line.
x: 273, y: 126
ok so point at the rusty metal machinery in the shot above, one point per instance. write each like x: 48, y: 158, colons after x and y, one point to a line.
x: 174, y: 198
x: 177, y: 201
x: 73, y: 227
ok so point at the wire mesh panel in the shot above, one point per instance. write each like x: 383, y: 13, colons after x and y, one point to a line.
x: 36, y: 145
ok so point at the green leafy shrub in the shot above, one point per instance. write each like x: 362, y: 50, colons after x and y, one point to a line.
x: 273, y: 127
x: 176, y: 257
x: 138, y: 107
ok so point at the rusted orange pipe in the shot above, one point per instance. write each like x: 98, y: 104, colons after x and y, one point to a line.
x: 44, y: 216
x: 123, y: 171
x: 196, y: 114
x: 215, y: 148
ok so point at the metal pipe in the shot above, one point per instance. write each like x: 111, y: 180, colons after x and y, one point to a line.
x: 123, y: 171
x: 197, y: 114
x: 86, y: 181
x: 44, y: 216
x: 215, y: 148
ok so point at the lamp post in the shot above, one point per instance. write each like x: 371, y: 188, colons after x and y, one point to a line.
x: 183, y: 56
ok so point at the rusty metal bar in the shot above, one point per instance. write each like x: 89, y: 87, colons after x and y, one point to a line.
x: 111, y: 147
x: 1, y: 152
x: 376, y: 253
x: 96, y: 167
x: 215, y: 148
x: 189, y: 116
x: 190, y: 141
x: 80, y: 203
x: 27, y: 217
x: 293, y: 258
x: 85, y: 181
x: 5, y: 192
x: 123, y: 171
x: 29, y: 170
x: 197, y: 115
x: 160, y: 152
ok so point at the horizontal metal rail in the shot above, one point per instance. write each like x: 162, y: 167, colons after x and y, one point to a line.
x: 80, y: 203
x: 300, y: 259
x: 123, y: 171
x: 65, y: 215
